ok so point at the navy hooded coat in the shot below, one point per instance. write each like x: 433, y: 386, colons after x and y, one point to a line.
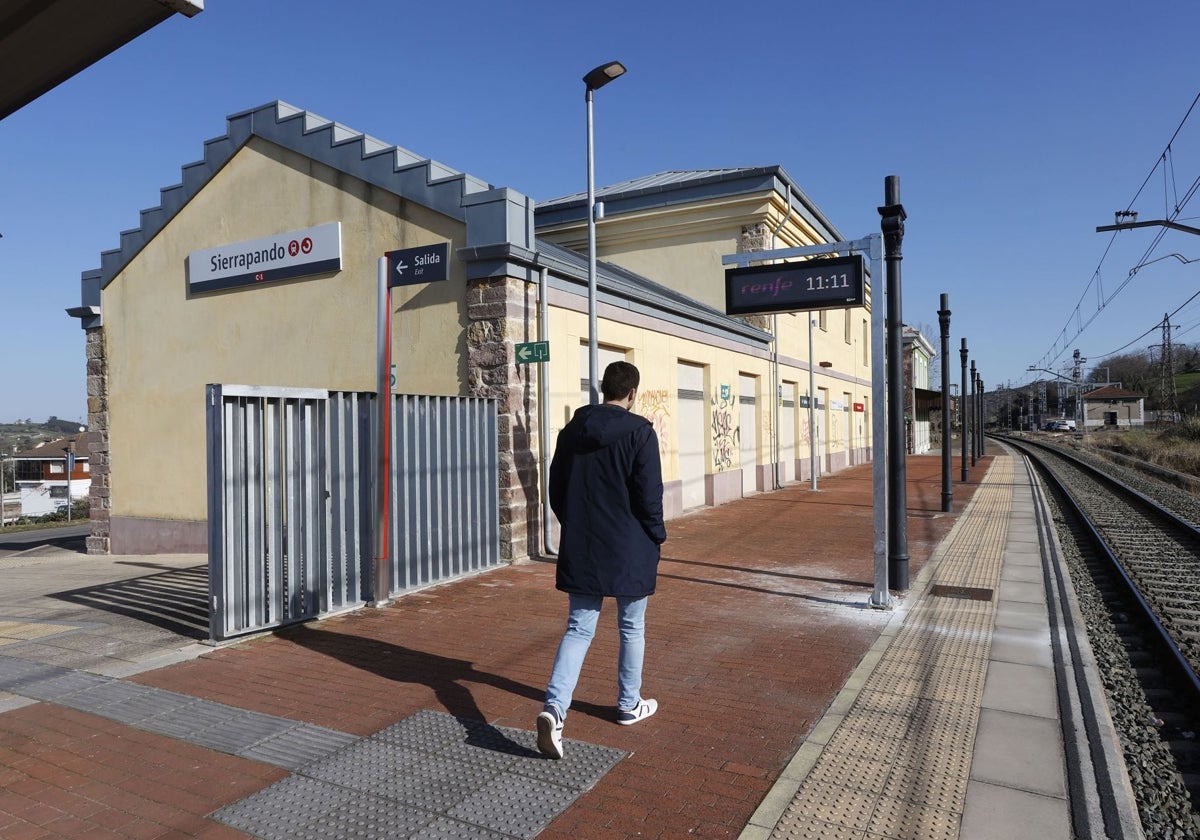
x: 606, y: 490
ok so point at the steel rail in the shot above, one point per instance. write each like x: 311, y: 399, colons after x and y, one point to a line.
x: 1183, y: 668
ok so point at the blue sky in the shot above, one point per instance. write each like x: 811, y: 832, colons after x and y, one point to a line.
x: 1015, y: 129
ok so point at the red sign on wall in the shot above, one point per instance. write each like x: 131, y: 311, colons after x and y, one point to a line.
x: 860, y: 407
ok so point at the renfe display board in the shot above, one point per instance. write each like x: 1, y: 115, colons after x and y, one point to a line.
x: 831, y: 283
x: 297, y: 253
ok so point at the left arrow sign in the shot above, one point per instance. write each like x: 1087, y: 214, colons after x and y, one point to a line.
x: 423, y: 264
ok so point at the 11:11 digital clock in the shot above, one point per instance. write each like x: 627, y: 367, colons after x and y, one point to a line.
x: 831, y: 283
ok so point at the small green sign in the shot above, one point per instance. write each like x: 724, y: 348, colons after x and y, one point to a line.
x: 726, y: 392
x: 532, y: 351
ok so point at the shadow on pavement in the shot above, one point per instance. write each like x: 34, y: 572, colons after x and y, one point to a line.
x: 176, y: 600
x: 449, y: 678
x: 38, y: 539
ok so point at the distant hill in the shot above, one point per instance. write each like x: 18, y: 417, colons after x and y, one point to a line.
x: 25, y: 434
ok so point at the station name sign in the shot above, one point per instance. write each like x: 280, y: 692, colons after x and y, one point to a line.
x: 297, y: 253
x: 831, y: 283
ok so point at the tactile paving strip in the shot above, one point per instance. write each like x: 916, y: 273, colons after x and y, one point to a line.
x: 279, y: 741
x: 898, y: 764
x: 431, y: 775
x: 15, y: 632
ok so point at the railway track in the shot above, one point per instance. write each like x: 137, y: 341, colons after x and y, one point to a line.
x: 1133, y: 547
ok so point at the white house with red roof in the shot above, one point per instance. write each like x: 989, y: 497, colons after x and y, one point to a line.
x: 52, y: 472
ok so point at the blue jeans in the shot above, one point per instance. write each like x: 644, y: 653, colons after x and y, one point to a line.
x: 581, y: 627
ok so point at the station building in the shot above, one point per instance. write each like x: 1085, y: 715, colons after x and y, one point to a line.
x: 194, y: 296
x: 1112, y: 406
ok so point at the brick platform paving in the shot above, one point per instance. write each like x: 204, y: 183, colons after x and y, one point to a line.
x: 760, y: 616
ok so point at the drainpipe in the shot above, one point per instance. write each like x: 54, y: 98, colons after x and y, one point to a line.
x: 544, y: 418
x: 775, y: 356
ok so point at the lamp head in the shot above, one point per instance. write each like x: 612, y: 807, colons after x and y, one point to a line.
x: 603, y: 74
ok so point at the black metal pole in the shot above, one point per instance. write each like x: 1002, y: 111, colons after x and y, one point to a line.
x: 892, y: 218
x: 962, y: 407
x: 974, y: 415
x: 982, y: 418
x: 944, y: 322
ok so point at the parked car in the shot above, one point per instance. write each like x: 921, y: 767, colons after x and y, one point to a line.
x: 1060, y: 426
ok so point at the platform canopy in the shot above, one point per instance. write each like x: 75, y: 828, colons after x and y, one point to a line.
x: 45, y: 42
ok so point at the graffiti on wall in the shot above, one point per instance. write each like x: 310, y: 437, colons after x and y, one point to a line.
x: 726, y: 437
x: 655, y: 407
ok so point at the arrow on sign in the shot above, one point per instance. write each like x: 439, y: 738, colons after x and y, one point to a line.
x: 533, y: 351
x: 423, y: 264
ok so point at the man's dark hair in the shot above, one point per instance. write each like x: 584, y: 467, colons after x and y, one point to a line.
x: 619, y: 379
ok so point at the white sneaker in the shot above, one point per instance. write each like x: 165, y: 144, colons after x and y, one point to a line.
x: 641, y: 711
x: 549, y: 729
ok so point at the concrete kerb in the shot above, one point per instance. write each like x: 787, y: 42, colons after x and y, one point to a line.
x: 1073, y: 655
x: 769, y: 812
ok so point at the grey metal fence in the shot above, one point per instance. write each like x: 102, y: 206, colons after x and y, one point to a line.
x: 445, y: 489
x: 290, y: 500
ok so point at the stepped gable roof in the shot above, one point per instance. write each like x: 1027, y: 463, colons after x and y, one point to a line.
x: 499, y: 221
x: 1112, y: 392
x: 685, y: 186
x: 492, y: 215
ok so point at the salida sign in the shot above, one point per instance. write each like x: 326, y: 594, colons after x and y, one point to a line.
x: 832, y: 283
x: 423, y: 264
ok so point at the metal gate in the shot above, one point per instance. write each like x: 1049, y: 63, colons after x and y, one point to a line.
x: 445, y: 519
x: 290, y: 499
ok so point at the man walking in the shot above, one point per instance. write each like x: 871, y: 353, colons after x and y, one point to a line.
x: 606, y: 490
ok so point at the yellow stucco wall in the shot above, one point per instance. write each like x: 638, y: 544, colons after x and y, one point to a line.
x: 163, y: 347
x: 681, y: 246
x: 657, y: 355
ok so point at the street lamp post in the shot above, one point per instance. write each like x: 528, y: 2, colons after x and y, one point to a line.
x: 891, y: 224
x: 594, y: 80
x: 944, y: 324
x: 70, y: 467
x: 974, y: 413
x: 982, y: 426
x: 962, y: 407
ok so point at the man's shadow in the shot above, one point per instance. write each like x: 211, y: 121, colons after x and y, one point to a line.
x: 449, y: 678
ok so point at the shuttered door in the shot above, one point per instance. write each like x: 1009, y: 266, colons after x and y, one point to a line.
x: 748, y: 432
x: 787, y: 431
x: 691, y: 433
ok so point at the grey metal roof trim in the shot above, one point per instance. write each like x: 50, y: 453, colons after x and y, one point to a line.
x: 390, y: 167
x: 650, y: 184
x: 621, y: 287
x: 682, y: 187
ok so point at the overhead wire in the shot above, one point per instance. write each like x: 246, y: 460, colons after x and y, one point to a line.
x: 1166, y: 160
